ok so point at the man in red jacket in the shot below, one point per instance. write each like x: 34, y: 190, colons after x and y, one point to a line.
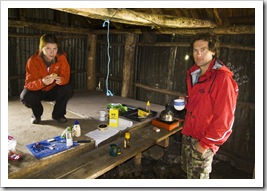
x: 47, y: 78
x: 211, y: 103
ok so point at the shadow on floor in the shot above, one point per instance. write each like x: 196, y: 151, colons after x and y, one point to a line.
x: 168, y: 167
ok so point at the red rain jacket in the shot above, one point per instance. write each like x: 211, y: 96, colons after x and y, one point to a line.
x: 36, y: 70
x: 211, y: 104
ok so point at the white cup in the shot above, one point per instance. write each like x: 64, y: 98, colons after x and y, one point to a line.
x: 179, y: 104
x: 69, y: 141
x: 102, y: 115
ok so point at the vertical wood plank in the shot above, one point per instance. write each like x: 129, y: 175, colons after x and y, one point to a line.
x: 171, y: 69
x: 91, y: 65
x: 129, y: 50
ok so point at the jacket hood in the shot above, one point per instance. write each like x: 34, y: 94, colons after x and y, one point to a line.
x: 220, y: 66
x: 215, y: 65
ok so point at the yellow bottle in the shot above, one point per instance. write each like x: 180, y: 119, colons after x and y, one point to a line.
x: 126, y: 143
x: 148, y: 107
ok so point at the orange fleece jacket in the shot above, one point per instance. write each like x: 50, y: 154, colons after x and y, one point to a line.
x: 36, y: 70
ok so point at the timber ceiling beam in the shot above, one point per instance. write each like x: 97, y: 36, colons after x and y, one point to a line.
x: 22, y: 24
x: 234, y: 30
x: 220, y: 30
x: 131, y: 17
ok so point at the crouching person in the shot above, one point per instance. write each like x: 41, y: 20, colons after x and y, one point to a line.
x: 47, y: 79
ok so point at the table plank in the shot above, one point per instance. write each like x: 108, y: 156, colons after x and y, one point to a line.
x: 98, y: 161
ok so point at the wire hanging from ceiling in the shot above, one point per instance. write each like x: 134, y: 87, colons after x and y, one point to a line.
x: 108, y: 92
x: 107, y: 21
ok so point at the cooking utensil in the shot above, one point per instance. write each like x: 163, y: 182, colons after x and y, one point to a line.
x: 82, y: 141
x: 167, y: 115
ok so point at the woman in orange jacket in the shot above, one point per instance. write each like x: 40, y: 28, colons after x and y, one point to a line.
x: 47, y: 79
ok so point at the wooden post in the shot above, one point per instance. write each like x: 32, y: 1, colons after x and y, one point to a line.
x: 91, y: 69
x: 164, y: 143
x: 129, y: 50
x: 171, y: 71
x: 138, y: 159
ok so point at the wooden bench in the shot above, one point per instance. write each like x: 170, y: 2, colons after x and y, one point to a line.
x: 94, y: 163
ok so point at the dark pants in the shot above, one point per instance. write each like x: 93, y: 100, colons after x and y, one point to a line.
x: 59, y: 94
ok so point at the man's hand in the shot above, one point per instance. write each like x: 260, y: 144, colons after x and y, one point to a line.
x: 199, y: 148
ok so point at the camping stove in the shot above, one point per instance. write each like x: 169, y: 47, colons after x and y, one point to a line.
x: 167, y: 125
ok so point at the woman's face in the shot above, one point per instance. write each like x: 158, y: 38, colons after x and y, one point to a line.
x: 202, y: 54
x: 50, y: 51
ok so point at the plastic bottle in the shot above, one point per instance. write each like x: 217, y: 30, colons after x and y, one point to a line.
x: 126, y: 143
x: 76, y: 130
x: 11, y: 143
x: 148, y: 107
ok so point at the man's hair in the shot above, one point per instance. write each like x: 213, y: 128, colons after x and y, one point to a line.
x: 213, y: 42
x: 47, y: 38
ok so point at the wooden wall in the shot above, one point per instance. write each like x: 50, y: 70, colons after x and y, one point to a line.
x: 157, y: 73
x: 159, y: 76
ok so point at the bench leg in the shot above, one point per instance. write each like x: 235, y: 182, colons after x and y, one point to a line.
x: 137, y: 159
x: 164, y: 143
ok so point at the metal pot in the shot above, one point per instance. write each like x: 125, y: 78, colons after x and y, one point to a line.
x: 167, y: 115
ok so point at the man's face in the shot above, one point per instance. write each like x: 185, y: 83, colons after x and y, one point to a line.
x: 50, y: 51
x: 202, y: 54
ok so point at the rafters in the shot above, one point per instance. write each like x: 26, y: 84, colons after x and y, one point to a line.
x: 131, y: 17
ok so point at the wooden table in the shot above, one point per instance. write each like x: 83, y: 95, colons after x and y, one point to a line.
x: 87, y: 161
x: 93, y: 163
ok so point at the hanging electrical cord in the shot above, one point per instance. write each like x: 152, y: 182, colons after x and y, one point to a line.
x: 108, y: 93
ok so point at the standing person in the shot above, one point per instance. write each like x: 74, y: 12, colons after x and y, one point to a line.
x: 210, y: 108
x: 47, y: 78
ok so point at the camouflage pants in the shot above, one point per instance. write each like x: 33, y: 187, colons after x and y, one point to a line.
x: 195, y: 164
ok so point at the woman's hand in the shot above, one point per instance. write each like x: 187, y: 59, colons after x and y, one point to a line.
x: 58, y: 80
x: 48, y: 80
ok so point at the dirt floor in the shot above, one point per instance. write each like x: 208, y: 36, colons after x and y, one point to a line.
x: 157, y: 162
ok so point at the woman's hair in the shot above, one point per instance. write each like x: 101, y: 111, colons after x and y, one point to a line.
x: 213, y: 42
x: 47, y: 38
